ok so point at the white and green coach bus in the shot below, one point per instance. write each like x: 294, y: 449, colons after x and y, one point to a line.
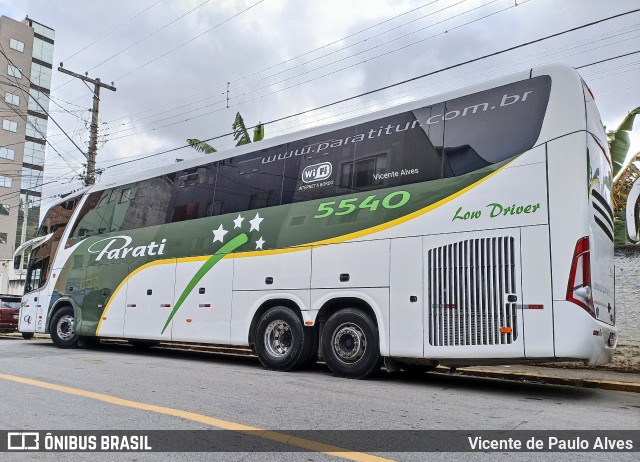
x: 470, y: 228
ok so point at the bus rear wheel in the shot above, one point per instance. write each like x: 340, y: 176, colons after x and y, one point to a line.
x: 62, y: 328
x: 281, y: 341
x: 350, y: 344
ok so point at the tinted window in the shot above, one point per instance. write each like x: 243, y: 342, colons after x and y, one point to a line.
x: 192, y: 194
x: 394, y: 151
x: 246, y: 182
x: 131, y: 206
x: 313, y: 166
x: 493, y: 125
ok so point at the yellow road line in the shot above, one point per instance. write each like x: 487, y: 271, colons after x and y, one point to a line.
x: 291, y: 440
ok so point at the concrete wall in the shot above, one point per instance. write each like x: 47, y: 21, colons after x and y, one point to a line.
x: 627, y: 260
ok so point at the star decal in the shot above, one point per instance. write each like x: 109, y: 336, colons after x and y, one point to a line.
x: 218, y: 234
x: 255, y: 223
x: 238, y: 221
x: 259, y: 243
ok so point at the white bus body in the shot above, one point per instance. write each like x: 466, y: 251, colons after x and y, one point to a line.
x: 490, y: 260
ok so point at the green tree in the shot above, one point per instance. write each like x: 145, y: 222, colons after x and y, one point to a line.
x: 240, y: 135
x: 624, y: 175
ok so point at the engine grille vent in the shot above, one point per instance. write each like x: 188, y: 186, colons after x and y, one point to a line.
x: 472, y: 293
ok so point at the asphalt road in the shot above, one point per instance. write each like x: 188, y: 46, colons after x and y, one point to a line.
x: 118, y: 388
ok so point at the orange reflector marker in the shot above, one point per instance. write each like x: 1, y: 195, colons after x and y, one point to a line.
x: 104, y: 318
x: 189, y: 319
x: 506, y: 330
x: 308, y: 323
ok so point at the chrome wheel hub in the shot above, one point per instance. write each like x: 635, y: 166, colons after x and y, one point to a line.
x: 278, y: 338
x: 66, y: 327
x: 349, y: 343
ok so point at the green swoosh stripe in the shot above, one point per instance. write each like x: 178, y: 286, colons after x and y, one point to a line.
x: 229, y: 247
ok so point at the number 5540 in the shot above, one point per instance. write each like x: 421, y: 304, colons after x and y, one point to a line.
x: 346, y: 206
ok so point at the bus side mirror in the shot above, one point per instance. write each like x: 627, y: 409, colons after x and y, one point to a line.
x: 633, y: 212
x: 16, y: 262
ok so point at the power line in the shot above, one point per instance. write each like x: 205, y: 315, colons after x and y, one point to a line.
x: 321, y: 107
x: 320, y: 57
x: 608, y: 59
x: 283, y: 62
x: 41, y: 107
x: 408, y: 80
x: 333, y: 62
x: 190, y: 40
x: 109, y: 33
x: 147, y: 36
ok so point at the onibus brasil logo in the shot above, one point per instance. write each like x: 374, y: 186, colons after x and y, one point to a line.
x: 114, y: 252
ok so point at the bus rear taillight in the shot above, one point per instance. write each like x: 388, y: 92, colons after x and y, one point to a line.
x: 579, y: 287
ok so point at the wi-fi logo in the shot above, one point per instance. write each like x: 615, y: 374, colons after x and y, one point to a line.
x: 317, y: 172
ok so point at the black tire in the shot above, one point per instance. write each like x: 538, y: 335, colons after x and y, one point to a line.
x: 27, y: 335
x: 143, y: 344
x: 281, y: 341
x: 62, y: 328
x: 350, y: 344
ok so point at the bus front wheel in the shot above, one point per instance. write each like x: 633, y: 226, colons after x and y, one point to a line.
x: 281, y: 341
x: 62, y: 330
x: 350, y: 344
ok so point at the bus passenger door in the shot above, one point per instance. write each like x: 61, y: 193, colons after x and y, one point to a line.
x: 150, y: 297
x: 205, y: 312
x: 406, y: 333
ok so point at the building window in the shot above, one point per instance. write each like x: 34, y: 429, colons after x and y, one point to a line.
x: 7, y: 153
x: 43, y: 30
x: 4, y: 209
x: 5, y: 182
x: 38, y: 101
x: 42, y: 50
x: 13, y: 71
x: 41, y: 76
x: 36, y: 127
x: 16, y: 45
x: 31, y: 179
x: 33, y: 153
x: 3, y: 238
x: 9, y: 125
x: 12, y: 99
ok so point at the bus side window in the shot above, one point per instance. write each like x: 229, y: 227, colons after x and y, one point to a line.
x: 493, y: 125
x: 393, y: 151
x: 192, y: 193
x: 247, y: 183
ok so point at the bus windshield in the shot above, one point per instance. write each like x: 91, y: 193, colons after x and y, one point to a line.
x: 55, y: 221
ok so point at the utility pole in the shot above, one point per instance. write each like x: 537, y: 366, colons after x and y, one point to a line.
x: 93, y: 134
x: 23, y: 236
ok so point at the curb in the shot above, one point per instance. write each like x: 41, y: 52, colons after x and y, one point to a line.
x: 547, y: 379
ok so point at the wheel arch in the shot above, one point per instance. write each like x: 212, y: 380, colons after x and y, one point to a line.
x: 57, y: 306
x: 266, y: 303
x: 379, y: 313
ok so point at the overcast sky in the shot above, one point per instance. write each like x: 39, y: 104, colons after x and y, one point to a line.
x: 170, y: 61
